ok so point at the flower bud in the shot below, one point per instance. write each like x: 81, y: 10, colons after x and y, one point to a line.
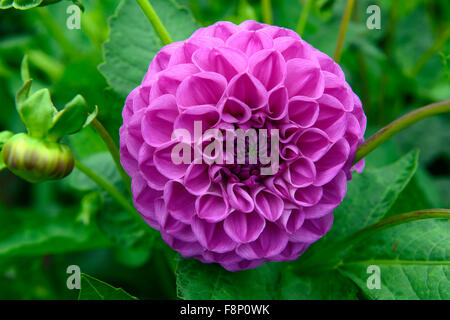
x: 37, y: 160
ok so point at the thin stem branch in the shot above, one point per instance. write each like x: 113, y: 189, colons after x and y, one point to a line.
x: 151, y: 15
x: 266, y: 10
x: 398, y: 125
x: 111, y: 190
x: 304, y: 17
x: 439, y: 42
x: 343, y: 29
x: 109, y: 142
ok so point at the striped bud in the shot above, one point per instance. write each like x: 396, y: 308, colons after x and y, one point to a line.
x: 37, y: 160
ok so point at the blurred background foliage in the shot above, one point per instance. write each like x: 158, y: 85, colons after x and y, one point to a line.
x: 396, y: 69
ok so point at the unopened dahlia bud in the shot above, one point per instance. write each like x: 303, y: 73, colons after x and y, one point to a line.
x: 241, y: 77
x: 37, y: 160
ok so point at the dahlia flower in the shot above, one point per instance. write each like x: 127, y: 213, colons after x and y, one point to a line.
x: 228, y: 76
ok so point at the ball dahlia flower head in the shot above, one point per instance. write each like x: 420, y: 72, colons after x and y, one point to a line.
x: 229, y: 76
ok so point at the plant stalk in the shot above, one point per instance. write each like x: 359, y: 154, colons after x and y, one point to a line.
x: 109, y: 142
x: 343, y: 29
x: 398, y: 125
x: 111, y: 190
x: 151, y: 15
x: 266, y: 10
x: 304, y: 17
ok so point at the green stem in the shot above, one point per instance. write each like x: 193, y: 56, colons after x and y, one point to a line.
x: 110, y: 189
x: 343, y: 29
x: 398, y: 125
x: 440, y: 41
x: 304, y: 17
x: 151, y: 15
x: 266, y: 10
x: 109, y: 142
x: 55, y: 31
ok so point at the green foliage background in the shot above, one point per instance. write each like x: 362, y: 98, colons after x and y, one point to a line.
x: 45, y: 228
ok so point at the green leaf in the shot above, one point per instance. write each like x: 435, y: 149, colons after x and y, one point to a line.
x: 37, y: 113
x: 25, y: 69
x: 329, y: 285
x: 196, y: 280
x: 69, y: 120
x: 94, y: 289
x: 370, y: 195
x: 413, y: 259
x: 133, y: 42
x: 27, y: 232
x: 113, y: 221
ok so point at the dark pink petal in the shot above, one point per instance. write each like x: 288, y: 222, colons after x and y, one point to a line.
x: 163, y: 160
x: 187, y: 249
x: 144, y: 201
x: 304, y: 78
x: 134, y: 134
x: 288, y: 131
x: 278, y: 104
x: 234, y: 111
x: 333, y: 194
x: 204, y: 88
x: 167, y: 81
x: 197, y: 179
x: 157, y: 124
x: 329, y: 165
x: 222, y: 30
x: 161, y: 60
x: 303, y: 111
x: 183, y: 53
x: 249, y: 90
x: 292, y: 251
x: 290, y: 152
x: 339, y: 89
x: 223, y: 258
x: 249, y: 42
x: 278, y: 186
x: 300, y: 173
x: 313, y: 143
x: 271, y: 242
x: 327, y: 64
x: 149, y: 171
x: 313, y: 229
x: 225, y: 61
x: 268, y: 204
x: 332, y: 118
x: 244, y: 227
x: 252, y: 25
x: 212, y: 207
x: 277, y: 32
x: 179, y: 202
x: 244, y: 265
x: 291, y: 220
x: 208, y: 116
x: 307, y: 196
x: 292, y: 48
x: 268, y: 66
x: 239, y: 197
x: 212, y: 236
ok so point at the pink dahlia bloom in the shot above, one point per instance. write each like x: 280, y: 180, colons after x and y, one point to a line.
x: 246, y: 76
